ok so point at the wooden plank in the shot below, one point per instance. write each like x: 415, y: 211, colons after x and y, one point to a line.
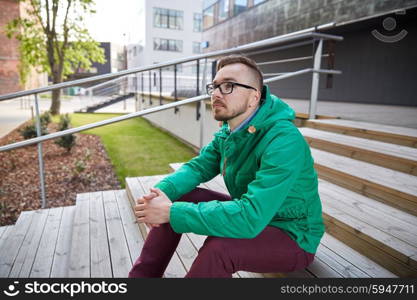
x: 119, y: 251
x: 339, y: 264
x: 2, y: 230
x: 372, y: 235
x: 80, y: 247
x: 373, y: 127
x: 133, y: 235
x: 13, y: 242
x: 321, y: 270
x: 378, y: 255
x: 345, y: 200
x: 43, y: 261
x: 175, y: 268
x: 27, y: 253
x: 365, y: 264
x: 399, y: 158
x: 100, y: 263
x: 5, y: 233
x: 404, y: 184
x: 61, y: 260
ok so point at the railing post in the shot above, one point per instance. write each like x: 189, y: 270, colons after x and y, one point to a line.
x: 150, y: 87
x: 176, y: 109
x: 203, y: 106
x: 141, y: 86
x: 160, y: 86
x: 315, y: 82
x: 198, y: 89
x: 40, y: 153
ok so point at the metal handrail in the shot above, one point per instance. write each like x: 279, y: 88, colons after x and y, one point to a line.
x: 287, y: 38
x: 144, y: 112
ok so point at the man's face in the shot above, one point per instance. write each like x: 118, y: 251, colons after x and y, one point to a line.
x: 228, y: 106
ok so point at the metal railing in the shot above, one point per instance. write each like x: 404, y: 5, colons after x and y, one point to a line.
x: 284, y: 42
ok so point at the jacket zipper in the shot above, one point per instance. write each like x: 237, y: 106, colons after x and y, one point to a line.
x: 224, y: 166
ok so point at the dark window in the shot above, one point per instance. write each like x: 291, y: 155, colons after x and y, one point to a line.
x: 198, y: 22
x: 167, y: 45
x: 223, y: 10
x: 167, y: 18
x: 208, y: 17
x: 239, y: 6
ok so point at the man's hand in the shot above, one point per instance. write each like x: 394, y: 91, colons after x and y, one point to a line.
x: 153, y: 208
x: 141, y: 200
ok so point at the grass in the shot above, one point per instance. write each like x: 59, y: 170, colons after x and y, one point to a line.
x: 135, y: 147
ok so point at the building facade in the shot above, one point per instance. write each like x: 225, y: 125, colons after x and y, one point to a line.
x: 168, y: 30
x: 377, y: 56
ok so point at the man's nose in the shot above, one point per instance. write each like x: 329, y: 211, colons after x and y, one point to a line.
x: 217, y: 93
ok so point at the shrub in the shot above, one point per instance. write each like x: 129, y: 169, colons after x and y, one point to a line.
x: 66, y: 141
x: 29, y: 131
x: 45, y: 118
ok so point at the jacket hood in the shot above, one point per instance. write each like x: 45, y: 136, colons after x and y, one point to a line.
x: 272, y: 109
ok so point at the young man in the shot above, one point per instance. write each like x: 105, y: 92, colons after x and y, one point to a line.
x: 272, y: 219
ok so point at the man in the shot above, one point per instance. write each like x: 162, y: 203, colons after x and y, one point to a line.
x: 272, y: 219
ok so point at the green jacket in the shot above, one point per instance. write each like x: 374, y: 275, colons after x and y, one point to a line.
x: 269, y: 174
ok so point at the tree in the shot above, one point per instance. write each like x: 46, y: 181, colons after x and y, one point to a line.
x: 53, y: 39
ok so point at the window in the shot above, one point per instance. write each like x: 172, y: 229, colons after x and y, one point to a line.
x: 258, y: 1
x: 208, y: 17
x: 196, y: 47
x: 167, y: 18
x: 223, y: 10
x: 167, y: 45
x: 239, y: 6
x: 198, y: 22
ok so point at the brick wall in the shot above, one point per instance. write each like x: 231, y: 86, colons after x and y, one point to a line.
x: 9, y: 54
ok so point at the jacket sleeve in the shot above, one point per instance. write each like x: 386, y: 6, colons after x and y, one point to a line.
x: 246, y: 217
x: 199, y: 169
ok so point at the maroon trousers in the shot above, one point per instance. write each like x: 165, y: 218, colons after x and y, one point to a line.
x: 271, y: 251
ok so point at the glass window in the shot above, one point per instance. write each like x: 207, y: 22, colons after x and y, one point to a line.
x: 239, y: 6
x: 198, y: 22
x: 223, y: 10
x: 196, y: 47
x: 167, y: 45
x: 208, y: 17
x: 258, y: 1
x: 168, y: 18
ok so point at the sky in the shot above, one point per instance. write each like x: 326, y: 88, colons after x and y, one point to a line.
x: 114, y: 21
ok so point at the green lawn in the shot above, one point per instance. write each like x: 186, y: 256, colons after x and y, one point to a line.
x: 135, y: 147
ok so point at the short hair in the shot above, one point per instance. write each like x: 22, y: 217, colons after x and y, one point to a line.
x: 241, y: 59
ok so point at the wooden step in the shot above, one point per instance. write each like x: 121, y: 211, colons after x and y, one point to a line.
x: 385, y: 234
x: 390, y: 134
x: 327, y: 263
x: 400, y: 158
x: 105, y: 239
x: 39, y: 248
x: 12, y: 243
x: 389, y: 186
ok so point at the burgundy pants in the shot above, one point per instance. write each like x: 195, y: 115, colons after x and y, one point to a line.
x: 271, y: 251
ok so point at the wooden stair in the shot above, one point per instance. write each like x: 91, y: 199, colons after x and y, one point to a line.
x: 368, y: 188
x: 333, y: 259
x: 385, y: 133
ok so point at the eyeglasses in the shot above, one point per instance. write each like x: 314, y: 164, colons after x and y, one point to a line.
x: 225, y: 87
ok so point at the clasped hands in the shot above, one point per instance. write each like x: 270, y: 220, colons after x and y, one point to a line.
x: 153, y: 209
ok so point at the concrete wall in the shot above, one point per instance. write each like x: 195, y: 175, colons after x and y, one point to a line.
x: 183, y: 124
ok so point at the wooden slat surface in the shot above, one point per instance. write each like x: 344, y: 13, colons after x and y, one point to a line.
x: 130, y: 226
x: 26, y: 256
x: 80, y: 247
x: 397, y: 181
x: 355, y: 258
x: 60, y: 264
x: 99, y: 245
x: 403, y: 131
x: 407, y: 153
x: 13, y: 242
x: 119, y: 252
x: 45, y: 254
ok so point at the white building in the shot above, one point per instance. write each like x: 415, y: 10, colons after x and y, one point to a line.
x: 168, y: 30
